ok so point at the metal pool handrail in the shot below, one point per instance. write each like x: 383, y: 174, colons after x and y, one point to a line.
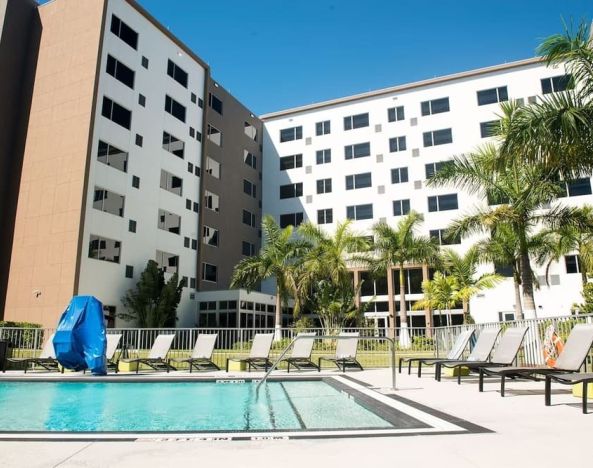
x: 332, y: 337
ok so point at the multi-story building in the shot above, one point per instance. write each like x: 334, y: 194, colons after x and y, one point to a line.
x: 367, y: 158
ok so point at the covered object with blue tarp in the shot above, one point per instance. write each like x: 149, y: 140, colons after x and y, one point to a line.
x: 80, y: 340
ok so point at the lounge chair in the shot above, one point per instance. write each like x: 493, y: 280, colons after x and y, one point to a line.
x: 503, y: 356
x: 300, y: 357
x: 481, y: 351
x: 47, y: 358
x: 345, y: 353
x: 201, y: 356
x: 112, y: 345
x: 569, y: 379
x: 456, y: 352
x: 259, y: 354
x: 157, y: 357
x: 577, y: 347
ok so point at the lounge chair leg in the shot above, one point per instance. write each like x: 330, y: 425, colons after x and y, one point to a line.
x: 409, y: 367
x: 481, y: 381
x: 319, y: 365
x: 502, y: 382
x: 585, y: 396
x: 458, y: 374
x: 288, y: 370
x: 227, y: 364
x: 548, y: 391
x: 437, y: 374
x: 399, y: 365
x: 419, y: 369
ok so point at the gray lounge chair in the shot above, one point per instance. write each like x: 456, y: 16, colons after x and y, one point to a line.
x: 503, y: 356
x: 300, y: 357
x: 569, y: 379
x: 456, y: 352
x: 201, y: 356
x: 577, y: 347
x: 481, y: 351
x: 157, y: 357
x: 259, y: 354
x: 46, y: 359
x: 345, y: 353
x: 112, y: 345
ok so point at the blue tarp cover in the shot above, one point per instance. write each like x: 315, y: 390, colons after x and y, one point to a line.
x: 80, y: 340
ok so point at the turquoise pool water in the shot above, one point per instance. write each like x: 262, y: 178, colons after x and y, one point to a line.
x: 179, y: 406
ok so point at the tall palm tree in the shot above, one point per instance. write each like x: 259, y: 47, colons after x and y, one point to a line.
x: 395, y: 247
x: 440, y: 293
x: 464, y: 268
x: 279, y: 258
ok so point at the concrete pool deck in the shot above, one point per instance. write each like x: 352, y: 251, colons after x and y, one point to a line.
x: 525, y: 433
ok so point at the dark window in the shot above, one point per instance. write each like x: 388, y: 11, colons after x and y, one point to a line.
x: 443, y: 202
x: 112, y: 156
x: 209, y: 272
x: 214, y: 135
x: 436, y: 106
x: 177, y: 73
x: 324, y: 186
x: 490, y: 128
x: 573, y: 263
x: 132, y: 226
x: 399, y: 175
x: 192, y: 132
x: 578, y: 187
x: 291, y: 219
x: 194, y: 244
x: 397, y: 144
x: 124, y: 32
x: 358, y: 181
x: 174, y: 145
x: 503, y: 270
x: 248, y: 218
x: 200, y: 103
x: 290, y: 134
x: 492, y: 95
x: 291, y: 190
x: 356, y: 121
x: 323, y: 128
x: 196, y: 207
x: 324, y: 156
x: 215, y: 103
x: 433, y: 168
x: 556, y: 84
x: 129, y: 271
x: 209, y: 236
x: 120, y: 71
x: 171, y: 183
x: 290, y: 162
x: 325, y: 216
x: 139, y: 140
x: 401, y: 207
x: 170, y: 222
x: 193, y: 98
x: 145, y: 62
x: 359, y: 150
x: 188, y: 204
x: 438, y: 137
x: 109, y: 202
x: 247, y: 249
x: 142, y: 100
x: 136, y: 182
x: 116, y: 113
x: 358, y: 212
x: 442, y: 237
x: 395, y: 114
x: 211, y: 201
x: 249, y: 188
x: 249, y: 159
x: 101, y: 248
x: 174, y: 108
x: 167, y: 262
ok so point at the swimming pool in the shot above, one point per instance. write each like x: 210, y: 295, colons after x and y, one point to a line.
x: 202, y: 407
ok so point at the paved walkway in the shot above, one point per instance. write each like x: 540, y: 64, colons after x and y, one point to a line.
x: 526, y: 434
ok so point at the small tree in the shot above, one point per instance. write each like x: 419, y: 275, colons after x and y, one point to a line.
x: 440, y: 293
x: 153, y: 302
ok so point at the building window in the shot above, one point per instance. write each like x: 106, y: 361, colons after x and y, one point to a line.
x: 213, y: 167
x: 211, y: 201
x: 443, y: 202
x: 442, y: 237
x: 323, y: 128
x: 145, y: 62
x: 209, y: 272
x: 573, y: 263
x: 142, y: 100
x: 247, y: 249
x: 401, y: 207
x: 132, y: 225
x: 169, y: 222
x: 174, y: 108
x: 433, y: 168
x: 291, y: 190
x: 397, y: 144
x: 248, y: 218
x: 101, y: 248
x: 290, y: 134
x: 399, y: 175
x: 290, y: 162
x: 359, y: 212
x: 250, y: 131
x: 210, y: 236
x: 438, y: 137
x: 556, y: 84
x: 120, y: 71
x: 136, y: 182
x: 249, y: 159
x: 249, y: 188
x: 167, y: 262
x: 490, y: 128
x: 171, y: 183
x: 492, y: 95
x: 109, y: 202
x: 177, y: 73
x: 324, y: 186
x: 395, y: 114
x: 325, y: 216
x: 173, y: 145
x: 577, y: 187
x: 196, y: 207
x: 124, y: 32
x: 358, y: 181
x: 323, y: 156
x: 436, y: 106
x: 291, y: 219
x: 356, y: 121
x: 360, y: 150
x: 139, y: 140
x: 112, y: 156
x: 129, y: 271
x: 215, y: 103
x: 214, y: 135
x: 116, y: 113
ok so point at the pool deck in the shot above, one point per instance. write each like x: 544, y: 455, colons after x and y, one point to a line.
x: 525, y: 434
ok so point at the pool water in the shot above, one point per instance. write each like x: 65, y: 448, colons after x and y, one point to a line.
x: 179, y: 406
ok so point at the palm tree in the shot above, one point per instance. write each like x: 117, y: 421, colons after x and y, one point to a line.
x: 463, y: 268
x: 440, y: 293
x: 279, y: 258
x: 395, y: 247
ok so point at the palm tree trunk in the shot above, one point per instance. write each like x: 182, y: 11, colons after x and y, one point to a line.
x: 404, y: 333
x: 527, y: 280
x: 465, y: 304
x: 278, y: 322
x: 584, y: 278
x: 518, y: 307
